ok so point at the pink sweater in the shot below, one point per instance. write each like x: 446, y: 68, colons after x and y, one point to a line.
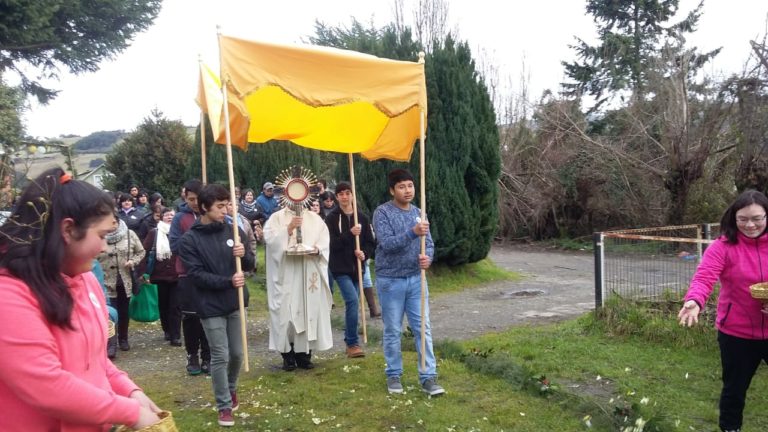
x: 53, y: 379
x: 737, y: 267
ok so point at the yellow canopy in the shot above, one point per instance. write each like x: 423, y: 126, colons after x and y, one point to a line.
x: 322, y: 98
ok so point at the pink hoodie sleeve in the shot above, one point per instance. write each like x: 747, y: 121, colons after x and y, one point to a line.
x: 708, y: 273
x: 30, y: 367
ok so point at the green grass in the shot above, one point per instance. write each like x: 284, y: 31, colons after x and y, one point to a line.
x: 607, y: 369
x: 351, y: 395
x: 530, y: 378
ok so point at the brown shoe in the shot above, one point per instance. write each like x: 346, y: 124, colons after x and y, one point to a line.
x: 355, y: 351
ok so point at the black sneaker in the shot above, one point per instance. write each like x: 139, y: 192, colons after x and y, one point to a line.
x: 304, y: 360
x: 193, y: 365
x: 289, y: 361
x: 205, y: 366
x: 124, y: 345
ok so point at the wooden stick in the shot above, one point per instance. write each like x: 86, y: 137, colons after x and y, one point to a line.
x: 202, y: 146
x: 357, y: 248
x: 423, y: 204
x: 235, y: 231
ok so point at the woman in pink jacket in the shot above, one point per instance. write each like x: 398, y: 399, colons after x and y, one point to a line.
x: 54, y: 373
x: 738, y: 259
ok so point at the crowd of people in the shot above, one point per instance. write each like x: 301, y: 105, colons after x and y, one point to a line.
x: 96, y: 249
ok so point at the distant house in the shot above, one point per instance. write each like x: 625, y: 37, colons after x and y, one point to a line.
x: 94, y: 176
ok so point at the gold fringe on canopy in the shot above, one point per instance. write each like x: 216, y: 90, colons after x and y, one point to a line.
x: 322, y: 98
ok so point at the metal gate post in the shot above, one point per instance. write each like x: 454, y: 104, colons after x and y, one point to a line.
x: 597, y: 241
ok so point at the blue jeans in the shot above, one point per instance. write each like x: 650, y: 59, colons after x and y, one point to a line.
x: 398, y: 297
x: 224, y: 338
x: 351, y: 294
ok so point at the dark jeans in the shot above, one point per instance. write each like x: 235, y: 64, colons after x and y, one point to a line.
x: 194, y: 335
x: 740, y: 359
x: 121, y: 303
x: 168, y: 303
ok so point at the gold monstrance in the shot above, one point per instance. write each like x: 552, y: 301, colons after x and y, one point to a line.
x: 296, y: 182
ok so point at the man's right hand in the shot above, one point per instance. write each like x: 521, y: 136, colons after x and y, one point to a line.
x: 421, y: 228
x: 295, y: 223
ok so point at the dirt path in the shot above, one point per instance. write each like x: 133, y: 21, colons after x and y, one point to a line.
x: 555, y: 285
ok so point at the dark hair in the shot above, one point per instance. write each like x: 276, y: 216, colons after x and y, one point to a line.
x: 244, y: 192
x: 31, y: 246
x: 158, y: 208
x: 154, y: 198
x: 327, y: 194
x: 210, y: 194
x: 164, y: 210
x: 728, y: 227
x: 194, y: 186
x: 398, y: 175
x: 322, y: 182
x: 123, y: 197
x: 343, y: 186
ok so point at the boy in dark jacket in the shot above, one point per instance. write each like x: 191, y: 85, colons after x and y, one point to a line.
x: 194, y: 335
x: 207, y: 251
x: 345, y: 259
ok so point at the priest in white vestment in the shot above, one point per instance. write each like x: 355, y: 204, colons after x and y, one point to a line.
x: 297, y: 288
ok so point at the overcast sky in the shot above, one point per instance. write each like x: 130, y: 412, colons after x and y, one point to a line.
x: 160, y: 69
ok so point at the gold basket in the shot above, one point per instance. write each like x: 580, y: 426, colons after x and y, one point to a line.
x: 166, y: 424
x: 110, y: 328
x: 759, y: 291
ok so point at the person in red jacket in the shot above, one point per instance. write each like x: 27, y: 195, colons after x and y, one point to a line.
x: 54, y: 373
x: 738, y: 259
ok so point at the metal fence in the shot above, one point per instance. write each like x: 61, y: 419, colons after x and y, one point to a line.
x: 646, y: 263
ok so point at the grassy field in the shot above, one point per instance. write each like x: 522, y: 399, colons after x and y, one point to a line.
x: 627, y: 368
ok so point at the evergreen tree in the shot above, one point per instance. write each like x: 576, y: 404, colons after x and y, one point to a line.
x: 11, y: 129
x: 153, y: 157
x: 462, y: 147
x: 76, y: 34
x: 629, y: 32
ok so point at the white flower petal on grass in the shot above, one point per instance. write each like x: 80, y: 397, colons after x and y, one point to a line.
x: 522, y: 414
x: 686, y: 375
x: 626, y: 369
x: 243, y: 415
x: 598, y: 378
x: 316, y: 420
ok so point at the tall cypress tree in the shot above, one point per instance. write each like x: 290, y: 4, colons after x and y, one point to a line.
x: 462, y: 148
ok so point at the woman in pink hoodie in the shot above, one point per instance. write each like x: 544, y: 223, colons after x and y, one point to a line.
x: 738, y: 259
x: 54, y: 373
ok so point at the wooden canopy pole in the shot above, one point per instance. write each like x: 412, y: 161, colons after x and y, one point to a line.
x: 360, y: 263
x: 423, y: 206
x: 235, y: 231
x: 202, y: 135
